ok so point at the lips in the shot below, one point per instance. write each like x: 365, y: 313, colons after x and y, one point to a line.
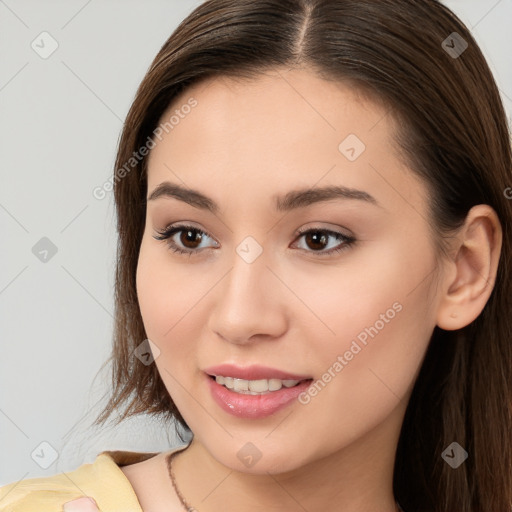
x: 253, y: 372
x: 252, y: 404
x: 254, y: 407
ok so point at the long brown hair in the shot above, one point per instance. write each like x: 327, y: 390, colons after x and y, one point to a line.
x: 452, y: 132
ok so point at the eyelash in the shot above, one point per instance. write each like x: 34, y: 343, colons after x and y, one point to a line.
x: 167, y: 234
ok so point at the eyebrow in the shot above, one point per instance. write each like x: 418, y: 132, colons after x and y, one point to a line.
x: 292, y: 200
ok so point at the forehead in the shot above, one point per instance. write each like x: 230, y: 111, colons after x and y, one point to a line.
x: 282, y: 128
x: 287, y: 103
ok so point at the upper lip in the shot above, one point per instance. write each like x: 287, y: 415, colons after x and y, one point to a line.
x: 253, y: 372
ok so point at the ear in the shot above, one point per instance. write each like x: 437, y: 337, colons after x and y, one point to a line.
x: 471, y: 272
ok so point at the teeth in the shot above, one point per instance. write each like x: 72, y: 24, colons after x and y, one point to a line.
x: 274, y: 384
x: 290, y: 383
x: 254, y: 387
x: 240, y: 385
x: 259, y: 386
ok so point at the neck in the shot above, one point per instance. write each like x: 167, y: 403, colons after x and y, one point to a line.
x: 355, y: 478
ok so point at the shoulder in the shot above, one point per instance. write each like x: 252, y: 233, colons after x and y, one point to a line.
x: 103, y: 480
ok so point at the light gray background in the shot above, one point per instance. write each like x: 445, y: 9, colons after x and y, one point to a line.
x: 60, y: 119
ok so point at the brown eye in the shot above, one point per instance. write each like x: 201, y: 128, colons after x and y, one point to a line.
x: 317, y: 240
x: 189, y: 237
x: 188, y: 240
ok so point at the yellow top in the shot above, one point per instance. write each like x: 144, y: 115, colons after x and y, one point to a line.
x: 102, y: 480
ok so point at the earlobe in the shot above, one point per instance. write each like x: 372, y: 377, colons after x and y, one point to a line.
x: 471, y: 274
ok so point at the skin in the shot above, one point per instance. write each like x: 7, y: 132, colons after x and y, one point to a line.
x: 291, y: 308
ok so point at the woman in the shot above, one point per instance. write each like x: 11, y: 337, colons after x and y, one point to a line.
x: 314, y: 268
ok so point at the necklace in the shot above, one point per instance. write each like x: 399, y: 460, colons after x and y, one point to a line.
x: 184, y: 503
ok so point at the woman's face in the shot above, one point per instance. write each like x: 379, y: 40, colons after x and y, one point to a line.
x: 355, y: 317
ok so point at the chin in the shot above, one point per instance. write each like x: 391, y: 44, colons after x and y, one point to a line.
x: 260, y: 457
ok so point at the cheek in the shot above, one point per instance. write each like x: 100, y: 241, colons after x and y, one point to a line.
x: 163, y: 301
x: 377, y: 320
x: 171, y: 298
x: 165, y: 293
x: 366, y: 288
x: 150, y: 292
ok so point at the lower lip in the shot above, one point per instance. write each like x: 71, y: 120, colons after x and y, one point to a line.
x: 255, y: 406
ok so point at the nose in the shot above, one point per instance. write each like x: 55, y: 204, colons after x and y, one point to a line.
x: 250, y: 303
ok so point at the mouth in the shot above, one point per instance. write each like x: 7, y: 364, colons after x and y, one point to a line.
x: 256, y: 398
x: 254, y: 391
x: 257, y: 386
